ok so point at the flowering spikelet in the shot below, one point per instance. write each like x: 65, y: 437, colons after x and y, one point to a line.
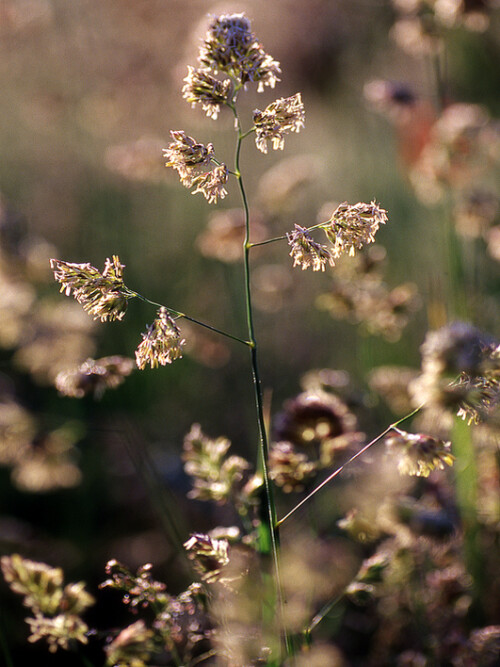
x: 352, y: 226
x: 94, y: 376
x: 419, y: 454
x: 215, y: 475
x: 480, y: 396
x: 56, y: 608
x: 460, y: 372
x: 139, y: 589
x: 231, y: 47
x: 211, y: 184
x: 40, y: 584
x: 102, y: 295
x: 289, y: 468
x: 202, y: 88
x: 184, y: 155
x: 133, y: 646
x: 306, y: 252
x: 282, y: 116
x: 188, y: 158
x: 209, y: 555
x: 161, y: 344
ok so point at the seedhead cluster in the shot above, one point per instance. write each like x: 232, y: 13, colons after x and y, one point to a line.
x: 257, y: 599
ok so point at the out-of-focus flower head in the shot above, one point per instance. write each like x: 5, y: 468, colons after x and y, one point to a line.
x: 456, y: 348
x: 50, y: 462
x: 23, y: 19
x: 419, y: 454
x: 363, y: 588
x: 319, y: 424
x: 460, y: 372
x: 59, y: 631
x: 306, y: 252
x: 373, y: 568
x: 94, y: 376
x: 482, y: 648
x: 358, y: 527
x: 216, y: 476
x: 56, y: 608
x: 282, y: 116
x: 462, y: 145
x: 475, y: 212
x: 39, y: 584
x: 209, y: 555
x: 330, y: 381
x: 57, y: 335
x: 231, y: 47
x: 359, y: 294
x: 420, y: 24
x: 132, y: 647
x: 352, y: 226
x: 282, y: 186
x: 161, y: 344
x: 224, y: 234
x: 391, y: 97
x: 139, y: 160
x: 392, y: 383
x: 422, y: 518
x: 320, y: 653
x: 40, y: 461
x: 411, y: 115
x: 377, y: 309
x: 102, y: 295
x: 200, y: 87
x: 17, y: 431
x: 493, y: 239
x: 289, y: 468
x: 16, y: 301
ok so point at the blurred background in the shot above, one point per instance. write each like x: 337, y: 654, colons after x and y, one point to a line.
x: 90, y: 91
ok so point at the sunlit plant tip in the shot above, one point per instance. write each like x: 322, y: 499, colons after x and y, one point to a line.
x: 161, y: 343
x: 102, y: 295
x: 282, y: 116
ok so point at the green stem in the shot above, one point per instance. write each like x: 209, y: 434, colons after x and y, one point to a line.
x: 341, y: 468
x: 190, y: 319
x: 269, y: 541
x: 284, y: 236
x: 324, y: 611
x: 466, y: 485
x: 439, y: 81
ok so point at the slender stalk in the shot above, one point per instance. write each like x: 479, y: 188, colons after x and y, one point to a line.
x: 466, y: 489
x: 271, y: 527
x: 439, y: 81
x: 324, y: 611
x: 341, y: 468
x: 190, y: 319
x: 284, y: 236
x: 466, y: 475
